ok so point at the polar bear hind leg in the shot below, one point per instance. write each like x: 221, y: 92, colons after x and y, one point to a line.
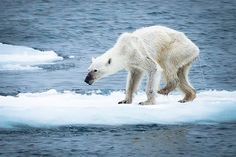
x: 171, y: 78
x: 184, y: 85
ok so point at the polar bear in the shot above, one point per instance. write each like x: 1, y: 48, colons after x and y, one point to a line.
x: 153, y: 50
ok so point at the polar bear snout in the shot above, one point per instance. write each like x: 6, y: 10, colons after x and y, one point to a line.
x: 89, y: 78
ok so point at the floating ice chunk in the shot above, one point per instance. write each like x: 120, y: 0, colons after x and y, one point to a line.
x: 24, y: 58
x: 52, y: 108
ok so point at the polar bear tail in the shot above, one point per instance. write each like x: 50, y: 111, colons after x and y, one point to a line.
x: 184, y: 83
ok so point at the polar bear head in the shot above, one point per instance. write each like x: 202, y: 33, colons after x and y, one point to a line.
x: 112, y: 61
x: 100, y: 67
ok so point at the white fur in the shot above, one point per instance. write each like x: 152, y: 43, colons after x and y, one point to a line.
x: 150, y: 50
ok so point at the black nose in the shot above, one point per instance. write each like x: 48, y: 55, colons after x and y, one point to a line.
x: 89, y: 79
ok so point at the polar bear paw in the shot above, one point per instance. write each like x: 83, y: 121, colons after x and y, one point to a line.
x: 163, y: 91
x: 148, y: 102
x: 182, y: 101
x: 125, y: 102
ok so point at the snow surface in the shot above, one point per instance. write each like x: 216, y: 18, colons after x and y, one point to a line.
x: 24, y: 58
x: 52, y: 108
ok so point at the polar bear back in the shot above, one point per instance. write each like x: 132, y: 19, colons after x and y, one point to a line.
x: 165, y: 45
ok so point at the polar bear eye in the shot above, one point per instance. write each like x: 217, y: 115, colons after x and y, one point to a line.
x: 109, y: 61
x: 95, y: 70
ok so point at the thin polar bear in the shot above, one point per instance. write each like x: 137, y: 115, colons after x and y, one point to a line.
x: 153, y: 51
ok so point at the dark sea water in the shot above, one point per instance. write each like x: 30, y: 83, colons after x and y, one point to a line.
x: 135, y: 140
x: 77, y: 30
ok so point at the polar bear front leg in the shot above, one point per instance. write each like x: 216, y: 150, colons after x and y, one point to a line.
x: 133, y: 80
x: 154, y: 78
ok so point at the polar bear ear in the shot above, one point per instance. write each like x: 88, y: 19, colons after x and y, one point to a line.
x: 93, y: 59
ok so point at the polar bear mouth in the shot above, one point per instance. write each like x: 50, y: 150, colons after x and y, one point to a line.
x: 90, y: 82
